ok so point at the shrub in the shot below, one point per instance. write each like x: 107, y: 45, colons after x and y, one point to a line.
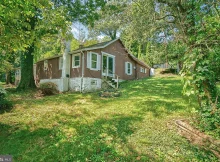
x: 48, y: 88
x: 4, y: 104
x: 168, y: 71
x: 210, y: 121
x: 2, y: 93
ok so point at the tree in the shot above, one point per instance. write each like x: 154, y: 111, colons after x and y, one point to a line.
x: 192, y: 28
x: 30, y: 21
x: 110, y: 20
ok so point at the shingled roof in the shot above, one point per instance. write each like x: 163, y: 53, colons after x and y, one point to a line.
x: 105, y: 44
x: 100, y: 46
x: 95, y: 46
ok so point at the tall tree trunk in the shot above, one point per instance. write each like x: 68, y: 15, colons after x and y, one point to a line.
x: 139, y: 51
x: 8, y: 77
x: 27, y: 75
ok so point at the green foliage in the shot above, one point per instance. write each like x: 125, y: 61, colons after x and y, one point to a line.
x: 210, y: 121
x: 2, y: 93
x: 110, y: 20
x: 5, y: 66
x: 167, y: 71
x: 74, y: 44
x: 25, y: 26
x: 48, y: 88
x: 202, y: 62
x: 184, y: 32
x: 4, y: 104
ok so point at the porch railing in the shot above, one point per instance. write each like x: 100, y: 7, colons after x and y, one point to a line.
x: 116, y: 77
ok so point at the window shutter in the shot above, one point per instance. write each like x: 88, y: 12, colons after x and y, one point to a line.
x: 126, y: 67
x: 88, y: 60
x: 131, y: 68
x: 98, y: 62
x: 60, y: 62
x: 73, y: 61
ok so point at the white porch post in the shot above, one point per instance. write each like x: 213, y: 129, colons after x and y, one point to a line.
x: 66, y: 67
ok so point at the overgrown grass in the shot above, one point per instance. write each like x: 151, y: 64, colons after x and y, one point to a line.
x: 138, y: 126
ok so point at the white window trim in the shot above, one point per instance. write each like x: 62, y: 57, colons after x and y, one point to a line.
x: 97, y: 62
x: 143, y: 70
x: 73, y: 60
x: 60, y: 67
x: 126, y: 68
x: 109, y: 55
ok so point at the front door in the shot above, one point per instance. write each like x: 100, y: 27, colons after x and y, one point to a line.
x: 108, y: 65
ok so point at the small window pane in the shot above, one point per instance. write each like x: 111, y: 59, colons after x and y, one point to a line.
x: 129, y: 71
x: 104, y: 64
x: 76, y: 58
x: 94, y: 61
x: 94, y: 64
x: 76, y: 62
x: 94, y: 57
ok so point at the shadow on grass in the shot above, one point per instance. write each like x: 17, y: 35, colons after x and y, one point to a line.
x: 103, y: 140
x: 106, y: 139
x: 5, y: 110
x: 158, y: 108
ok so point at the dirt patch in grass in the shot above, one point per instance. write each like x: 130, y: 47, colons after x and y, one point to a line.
x: 198, y: 138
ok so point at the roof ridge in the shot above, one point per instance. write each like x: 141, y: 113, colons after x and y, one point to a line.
x: 97, y: 44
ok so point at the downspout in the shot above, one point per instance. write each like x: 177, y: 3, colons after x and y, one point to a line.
x: 83, y: 68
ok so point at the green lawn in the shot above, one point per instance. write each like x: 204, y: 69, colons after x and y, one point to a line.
x: 138, y: 126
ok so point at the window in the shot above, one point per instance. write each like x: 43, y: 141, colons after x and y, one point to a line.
x: 45, y: 64
x: 93, y: 61
x: 60, y: 63
x: 76, y: 61
x: 128, y: 68
x: 143, y: 70
x: 108, y: 64
x: 93, y: 82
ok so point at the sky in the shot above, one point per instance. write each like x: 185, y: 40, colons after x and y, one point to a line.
x: 81, y: 32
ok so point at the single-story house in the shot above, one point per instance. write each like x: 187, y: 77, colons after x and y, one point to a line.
x: 85, y: 68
